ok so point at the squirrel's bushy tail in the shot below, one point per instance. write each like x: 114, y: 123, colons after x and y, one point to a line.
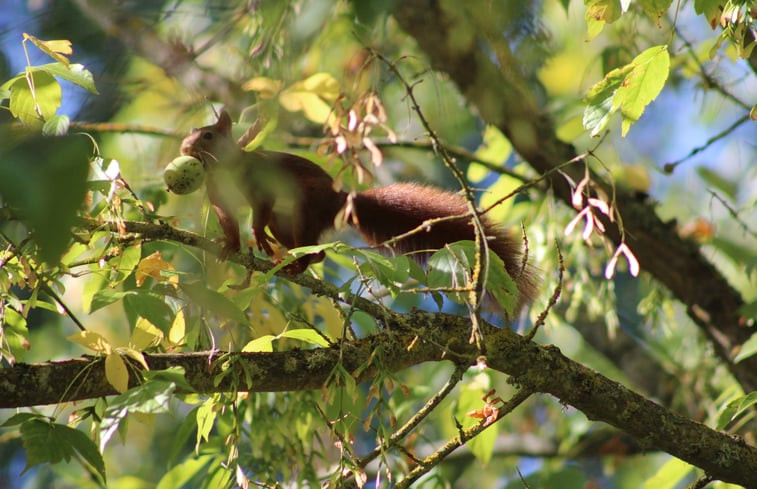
x: 384, y: 213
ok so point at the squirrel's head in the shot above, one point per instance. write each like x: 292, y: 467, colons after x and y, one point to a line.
x: 210, y: 144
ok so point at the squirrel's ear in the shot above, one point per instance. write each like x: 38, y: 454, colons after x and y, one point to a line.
x: 224, y: 122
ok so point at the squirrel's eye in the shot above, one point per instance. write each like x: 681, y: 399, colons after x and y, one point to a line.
x: 207, y: 135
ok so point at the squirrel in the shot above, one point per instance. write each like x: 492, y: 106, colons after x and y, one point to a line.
x: 296, y: 199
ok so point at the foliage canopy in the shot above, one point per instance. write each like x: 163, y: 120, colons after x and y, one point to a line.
x: 614, y: 136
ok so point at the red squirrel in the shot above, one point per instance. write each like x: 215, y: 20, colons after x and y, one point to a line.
x: 296, y: 199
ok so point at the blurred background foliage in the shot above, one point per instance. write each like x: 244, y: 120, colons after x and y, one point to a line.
x: 170, y: 64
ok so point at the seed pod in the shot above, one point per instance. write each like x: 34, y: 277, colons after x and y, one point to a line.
x: 184, y: 175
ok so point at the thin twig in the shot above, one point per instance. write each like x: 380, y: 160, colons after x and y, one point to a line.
x: 670, y: 167
x: 552, y: 300
x: 422, y: 413
x: 461, y: 439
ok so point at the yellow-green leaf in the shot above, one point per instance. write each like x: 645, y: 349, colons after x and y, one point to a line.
x: 145, y: 334
x: 266, y: 87
x: 206, y: 417
x: 503, y: 187
x: 495, y: 147
x: 262, y: 344
x: 306, y: 335
x: 56, y: 49
x: 599, y: 13
x: 94, y: 341
x: 669, y: 475
x: 321, y: 84
x: 655, y: 8
x: 152, y: 266
x: 642, y: 84
x: 116, y: 372
x: 310, y: 103
x: 178, y: 329
x: 138, y: 356
x: 33, y: 107
x: 75, y: 73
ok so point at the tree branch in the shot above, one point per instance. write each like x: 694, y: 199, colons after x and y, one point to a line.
x: 503, y: 99
x: 408, y: 340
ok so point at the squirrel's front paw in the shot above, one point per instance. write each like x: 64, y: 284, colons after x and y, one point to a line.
x: 228, y: 247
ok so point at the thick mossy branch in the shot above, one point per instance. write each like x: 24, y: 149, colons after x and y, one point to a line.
x: 411, y: 339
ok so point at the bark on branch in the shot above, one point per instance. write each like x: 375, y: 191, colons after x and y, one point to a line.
x: 410, y: 339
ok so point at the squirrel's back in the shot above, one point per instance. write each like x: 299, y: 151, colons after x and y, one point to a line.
x: 384, y: 213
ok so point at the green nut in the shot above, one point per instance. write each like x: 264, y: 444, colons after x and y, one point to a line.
x: 184, y: 175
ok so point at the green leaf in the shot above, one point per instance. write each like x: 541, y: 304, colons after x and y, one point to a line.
x: 630, y: 89
x: 389, y: 271
x: 106, y: 297
x: 51, y: 443
x: 34, y: 107
x: 262, y: 344
x: 57, y: 125
x: 306, y: 335
x: 471, y: 400
x: 45, y: 178
x: 711, y: 9
x: 655, y: 9
x: 74, y: 73
x: 179, y: 440
x: 150, y: 306
x: 599, y: 106
x: 15, y: 333
x: 642, y: 85
x: 748, y: 349
x: 599, y: 13
x: 669, y: 476
x: 174, y: 375
x: 56, y: 48
x: 179, y: 475
x: 125, y: 263
x: 206, y: 418
x: 735, y: 408
x: 150, y: 397
x: 20, y: 418
x: 214, y: 301
x: 500, y: 284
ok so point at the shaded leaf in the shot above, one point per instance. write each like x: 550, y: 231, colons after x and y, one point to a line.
x: 45, y: 178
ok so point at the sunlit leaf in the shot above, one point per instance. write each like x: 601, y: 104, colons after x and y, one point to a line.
x: 642, y: 84
x: 145, y: 334
x: 748, y: 349
x: 206, y: 417
x: 56, y: 125
x: 306, y: 335
x: 262, y: 344
x: 266, y: 87
x: 74, y: 73
x: 116, y: 372
x: 56, y: 49
x: 177, y: 332
x: 599, y: 13
x: 34, y: 106
x: 91, y: 340
x: 152, y: 266
x: 313, y: 106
